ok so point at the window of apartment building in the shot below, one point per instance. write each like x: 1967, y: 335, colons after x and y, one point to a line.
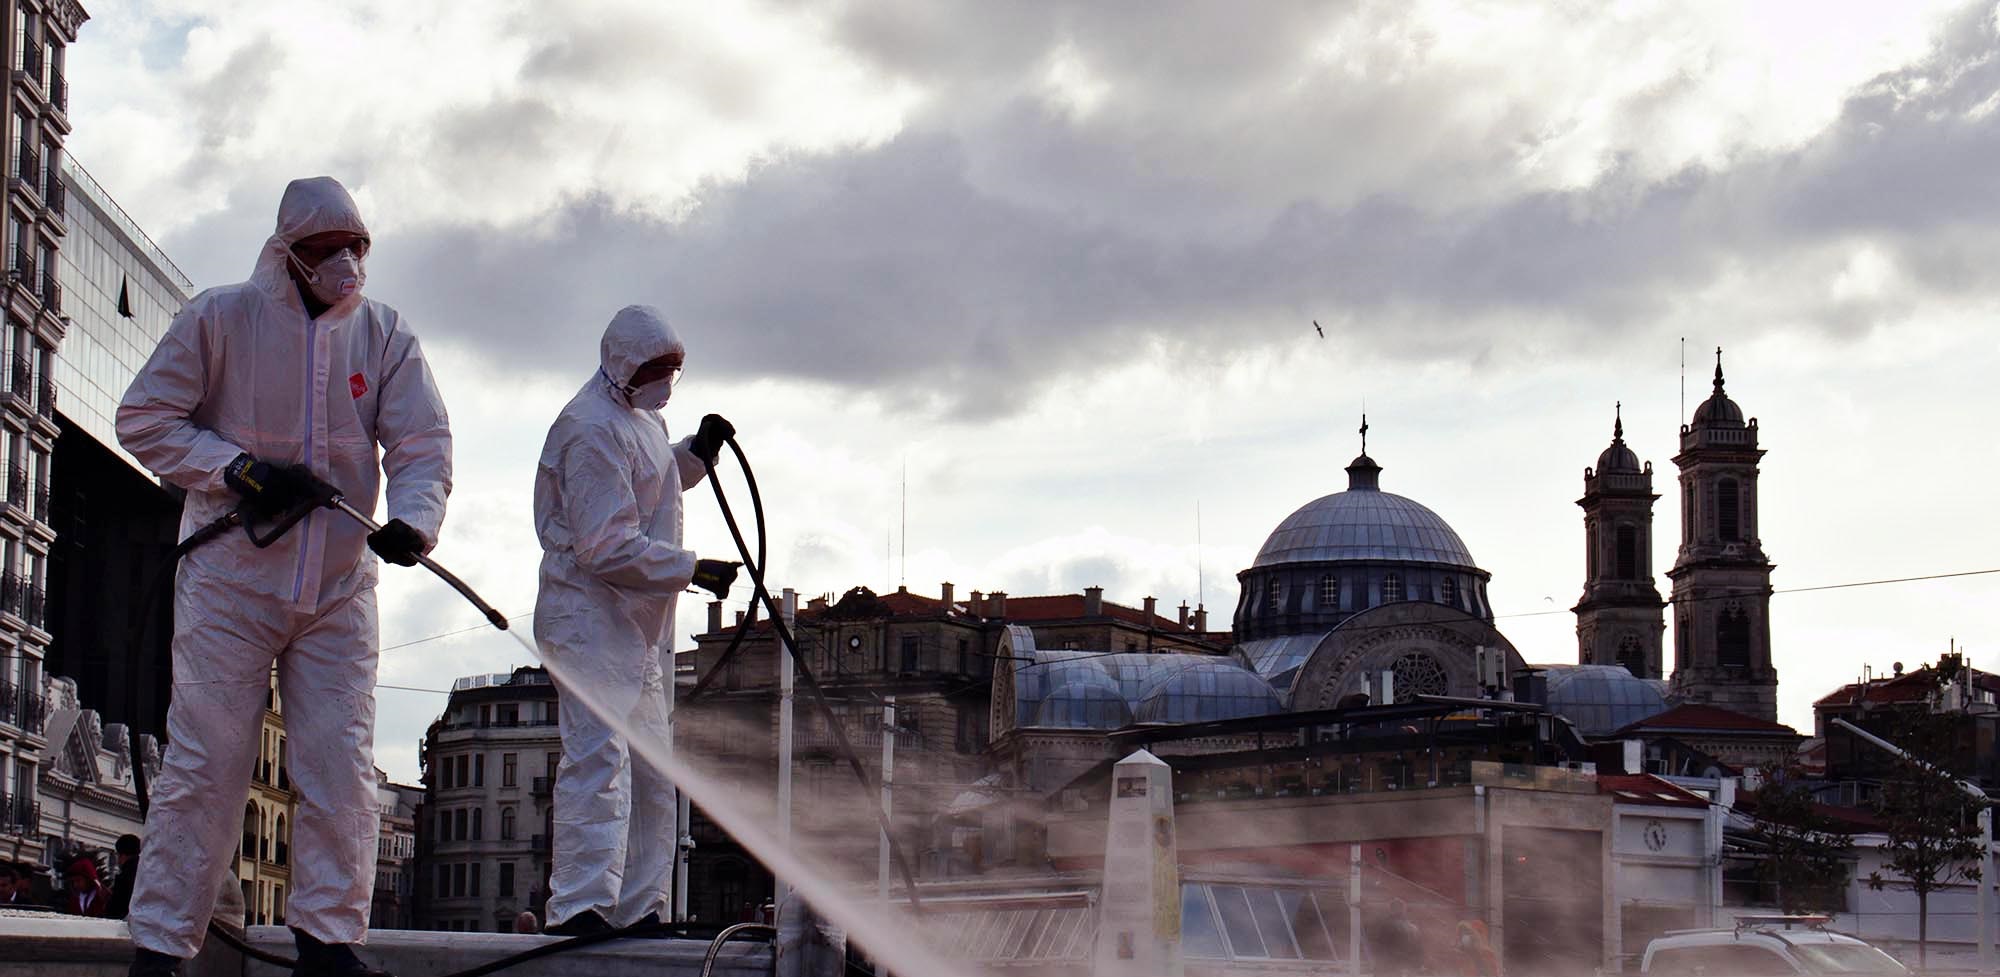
x: 478, y: 824
x: 509, y: 714
x: 444, y: 826
x: 443, y: 881
x: 909, y: 647
x: 506, y: 880
x: 554, y: 758
x: 458, y: 880
x: 507, y: 764
x: 459, y: 821
x: 507, y: 823
x: 486, y: 714
x: 473, y: 889
x: 479, y: 770
x: 464, y: 766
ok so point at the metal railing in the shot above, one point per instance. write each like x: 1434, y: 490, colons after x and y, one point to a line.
x: 539, y: 843
x: 38, y: 605
x: 88, y: 186
x: 57, y: 194
x: 24, y: 266
x: 58, y: 90
x: 51, y: 290
x: 31, y: 54
x: 542, y: 786
x: 21, y: 374
x: 30, y: 170
x: 496, y: 724
x: 20, y: 815
x: 43, y: 498
x: 45, y: 402
x: 23, y: 707
x: 17, y: 495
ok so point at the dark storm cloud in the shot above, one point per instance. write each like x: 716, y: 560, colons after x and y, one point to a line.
x: 997, y: 246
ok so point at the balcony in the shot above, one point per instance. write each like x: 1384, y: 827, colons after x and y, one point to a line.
x: 51, y: 300
x: 20, y: 816
x: 58, y: 90
x: 542, y: 787
x: 57, y: 195
x: 20, y: 376
x: 38, y: 605
x: 22, y: 707
x: 539, y: 844
x: 816, y: 737
x: 42, y: 499
x: 45, y: 401
x: 17, y: 492
x: 29, y: 173
x: 24, y: 272
x: 30, y: 47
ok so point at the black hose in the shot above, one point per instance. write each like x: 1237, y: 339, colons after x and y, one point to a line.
x: 805, y: 673
x: 757, y: 511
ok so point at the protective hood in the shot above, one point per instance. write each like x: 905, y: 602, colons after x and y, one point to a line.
x: 313, y: 205
x: 636, y: 335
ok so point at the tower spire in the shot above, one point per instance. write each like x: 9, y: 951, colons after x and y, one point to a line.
x: 1718, y: 369
x: 1364, y: 432
x: 1618, y: 422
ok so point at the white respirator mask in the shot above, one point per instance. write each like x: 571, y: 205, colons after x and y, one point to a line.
x: 336, y: 278
x: 650, y: 396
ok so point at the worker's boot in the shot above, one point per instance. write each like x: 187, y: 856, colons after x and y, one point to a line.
x: 586, y: 923
x: 318, y: 959
x: 152, y: 963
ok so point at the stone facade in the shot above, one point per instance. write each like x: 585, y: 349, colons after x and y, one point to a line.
x: 1620, y: 620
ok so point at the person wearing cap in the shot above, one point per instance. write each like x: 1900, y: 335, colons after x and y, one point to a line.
x: 261, y: 398
x: 85, y: 894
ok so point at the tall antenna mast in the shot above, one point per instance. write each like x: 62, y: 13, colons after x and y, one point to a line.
x: 1684, y: 379
x: 1200, y: 574
x: 904, y: 578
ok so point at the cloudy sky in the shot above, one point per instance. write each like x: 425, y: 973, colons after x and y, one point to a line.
x: 1054, y: 267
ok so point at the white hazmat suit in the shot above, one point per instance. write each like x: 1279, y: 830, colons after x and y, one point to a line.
x: 608, y: 512
x: 244, y: 368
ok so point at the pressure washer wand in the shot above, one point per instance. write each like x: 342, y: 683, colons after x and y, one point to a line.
x: 496, y: 618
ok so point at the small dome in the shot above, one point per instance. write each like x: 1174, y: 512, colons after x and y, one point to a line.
x: 1205, y: 690
x: 1600, y: 699
x: 1085, y: 699
x: 1718, y: 410
x: 1617, y: 458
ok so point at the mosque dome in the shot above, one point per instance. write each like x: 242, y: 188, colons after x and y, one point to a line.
x: 1205, y: 690
x: 1084, y: 698
x: 1364, y: 523
x: 1600, y: 699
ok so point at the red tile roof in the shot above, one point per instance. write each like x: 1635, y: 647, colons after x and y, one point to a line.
x: 1907, y: 687
x: 1644, y: 788
x: 1064, y: 607
x: 1703, y: 718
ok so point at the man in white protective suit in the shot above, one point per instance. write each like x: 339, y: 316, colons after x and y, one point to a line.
x: 262, y: 397
x: 608, y: 512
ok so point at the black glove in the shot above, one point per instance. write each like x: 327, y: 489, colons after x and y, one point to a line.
x: 715, y: 576
x: 707, y: 443
x: 398, y: 542
x: 271, y: 489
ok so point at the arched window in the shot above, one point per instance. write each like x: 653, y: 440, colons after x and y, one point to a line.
x: 1329, y: 593
x: 507, y: 824
x: 1448, y: 591
x: 282, y: 855
x: 1728, y: 511
x: 1632, y: 655
x: 250, y: 830
x: 1627, y: 541
x: 1392, y: 588
x: 1732, y: 637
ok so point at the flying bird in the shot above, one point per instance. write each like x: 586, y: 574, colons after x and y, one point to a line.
x: 1317, y: 329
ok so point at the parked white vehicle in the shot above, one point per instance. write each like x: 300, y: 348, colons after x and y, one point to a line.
x: 1766, y: 946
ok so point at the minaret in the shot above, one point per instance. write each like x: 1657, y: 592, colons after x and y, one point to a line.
x: 1722, y: 579
x: 1619, y: 621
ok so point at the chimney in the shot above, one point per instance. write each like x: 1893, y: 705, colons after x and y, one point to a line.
x: 739, y: 619
x: 997, y: 604
x: 1201, y: 618
x: 819, y: 603
x: 714, y: 616
x: 1152, y: 610
x: 1184, y: 614
x: 1093, y: 601
x: 947, y: 595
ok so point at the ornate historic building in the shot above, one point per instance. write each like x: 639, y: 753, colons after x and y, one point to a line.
x: 1721, y: 578
x: 1620, y: 620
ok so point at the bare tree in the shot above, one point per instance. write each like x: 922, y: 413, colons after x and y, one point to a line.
x: 1806, y: 853
x: 1933, y: 838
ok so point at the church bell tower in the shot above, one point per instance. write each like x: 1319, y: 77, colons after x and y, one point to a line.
x: 1619, y: 621
x: 1721, y: 578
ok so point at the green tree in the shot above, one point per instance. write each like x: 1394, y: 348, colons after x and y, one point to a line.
x: 1931, y: 822
x: 1806, y: 860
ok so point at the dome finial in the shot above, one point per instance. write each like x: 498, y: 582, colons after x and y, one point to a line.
x: 1364, y: 431
x: 1618, y: 422
x: 1718, y: 369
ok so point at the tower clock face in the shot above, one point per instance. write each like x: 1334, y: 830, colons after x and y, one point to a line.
x: 1656, y: 835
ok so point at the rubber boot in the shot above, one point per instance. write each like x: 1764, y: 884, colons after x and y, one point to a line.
x: 318, y: 959
x: 153, y: 963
